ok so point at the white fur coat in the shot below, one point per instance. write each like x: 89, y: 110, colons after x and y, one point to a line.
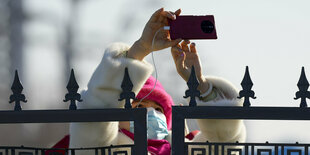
x: 103, y: 91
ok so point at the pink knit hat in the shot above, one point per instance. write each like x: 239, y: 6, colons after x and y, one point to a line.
x: 159, y: 95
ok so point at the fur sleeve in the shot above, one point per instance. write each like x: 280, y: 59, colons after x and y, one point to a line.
x: 104, y: 86
x: 103, y: 91
x: 221, y: 130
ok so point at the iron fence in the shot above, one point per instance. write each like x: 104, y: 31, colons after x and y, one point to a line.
x: 137, y: 115
x: 179, y: 114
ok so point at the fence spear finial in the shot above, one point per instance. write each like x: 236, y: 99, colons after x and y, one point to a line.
x: 247, y: 85
x: 192, y: 91
x: 72, y: 94
x: 17, y: 95
x: 303, y: 86
x: 127, y: 93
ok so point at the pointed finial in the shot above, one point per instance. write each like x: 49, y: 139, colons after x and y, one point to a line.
x: 247, y: 85
x: 192, y: 91
x: 127, y: 93
x: 17, y: 95
x: 72, y: 94
x: 303, y: 86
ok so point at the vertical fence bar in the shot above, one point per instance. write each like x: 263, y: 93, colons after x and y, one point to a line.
x: 282, y: 149
x: 246, y: 149
x: 140, y: 135
x: 252, y: 150
x: 72, y: 152
x: 42, y: 152
x: 96, y: 151
x: 216, y: 149
x: 102, y: 151
x: 12, y: 151
x: 186, y: 148
x: 109, y: 151
x: 276, y: 151
x: 177, y: 132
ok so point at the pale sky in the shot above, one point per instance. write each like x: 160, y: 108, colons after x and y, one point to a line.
x: 271, y: 37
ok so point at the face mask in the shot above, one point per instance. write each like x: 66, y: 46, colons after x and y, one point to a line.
x: 156, y: 125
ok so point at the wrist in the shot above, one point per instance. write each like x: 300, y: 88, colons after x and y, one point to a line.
x: 203, y: 85
x: 137, y: 51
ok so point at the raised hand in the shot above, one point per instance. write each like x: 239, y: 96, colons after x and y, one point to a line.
x: 158, y: 20
x: 185, y: 56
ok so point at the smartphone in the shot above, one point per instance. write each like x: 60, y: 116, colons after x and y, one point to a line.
x: 193, y: 27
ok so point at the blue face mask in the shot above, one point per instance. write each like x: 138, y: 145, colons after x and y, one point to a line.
x: 156, y: 125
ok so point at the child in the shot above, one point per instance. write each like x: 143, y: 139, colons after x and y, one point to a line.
x: 104, y: 90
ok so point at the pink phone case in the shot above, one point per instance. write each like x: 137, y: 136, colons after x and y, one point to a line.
x: 193, y: 27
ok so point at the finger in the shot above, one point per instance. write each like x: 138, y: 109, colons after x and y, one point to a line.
x: 168, y: 15
x: 173, y: 42
x: 156, y: 15
x: 184, y: 45
x: 193, y: 48
x: 178, y: 12
x: 176, y: 51
x: 161, y: 18
x: 178, y: 57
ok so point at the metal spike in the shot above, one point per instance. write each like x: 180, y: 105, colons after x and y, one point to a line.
x: 303, y: 86
x: 247, y: 82
x: 192, y: 91
x: 247, y: 85
x: 127, y: 93
x: 17, y: 95
x: 72, y: 94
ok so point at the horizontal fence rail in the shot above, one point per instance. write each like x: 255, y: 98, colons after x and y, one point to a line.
x: 109, y: 150
x: 207, y: 148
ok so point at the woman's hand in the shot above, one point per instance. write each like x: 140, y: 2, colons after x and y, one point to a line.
x: 143, y: 46
x: 185, y: 56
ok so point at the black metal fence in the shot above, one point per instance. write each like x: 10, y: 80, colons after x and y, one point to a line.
x: 179, y: 114
x: 137, y: 115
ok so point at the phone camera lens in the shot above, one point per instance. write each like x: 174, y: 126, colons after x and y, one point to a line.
x: 207, y: 26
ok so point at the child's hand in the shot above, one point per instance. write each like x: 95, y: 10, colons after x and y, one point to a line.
x: 143, y: 46
x: 184, y: 58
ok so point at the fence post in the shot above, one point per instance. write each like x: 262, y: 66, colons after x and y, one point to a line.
x: 178, y: 145
x: 140, y: 132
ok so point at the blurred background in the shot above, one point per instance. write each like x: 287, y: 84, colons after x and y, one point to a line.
x: 45, y: 39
